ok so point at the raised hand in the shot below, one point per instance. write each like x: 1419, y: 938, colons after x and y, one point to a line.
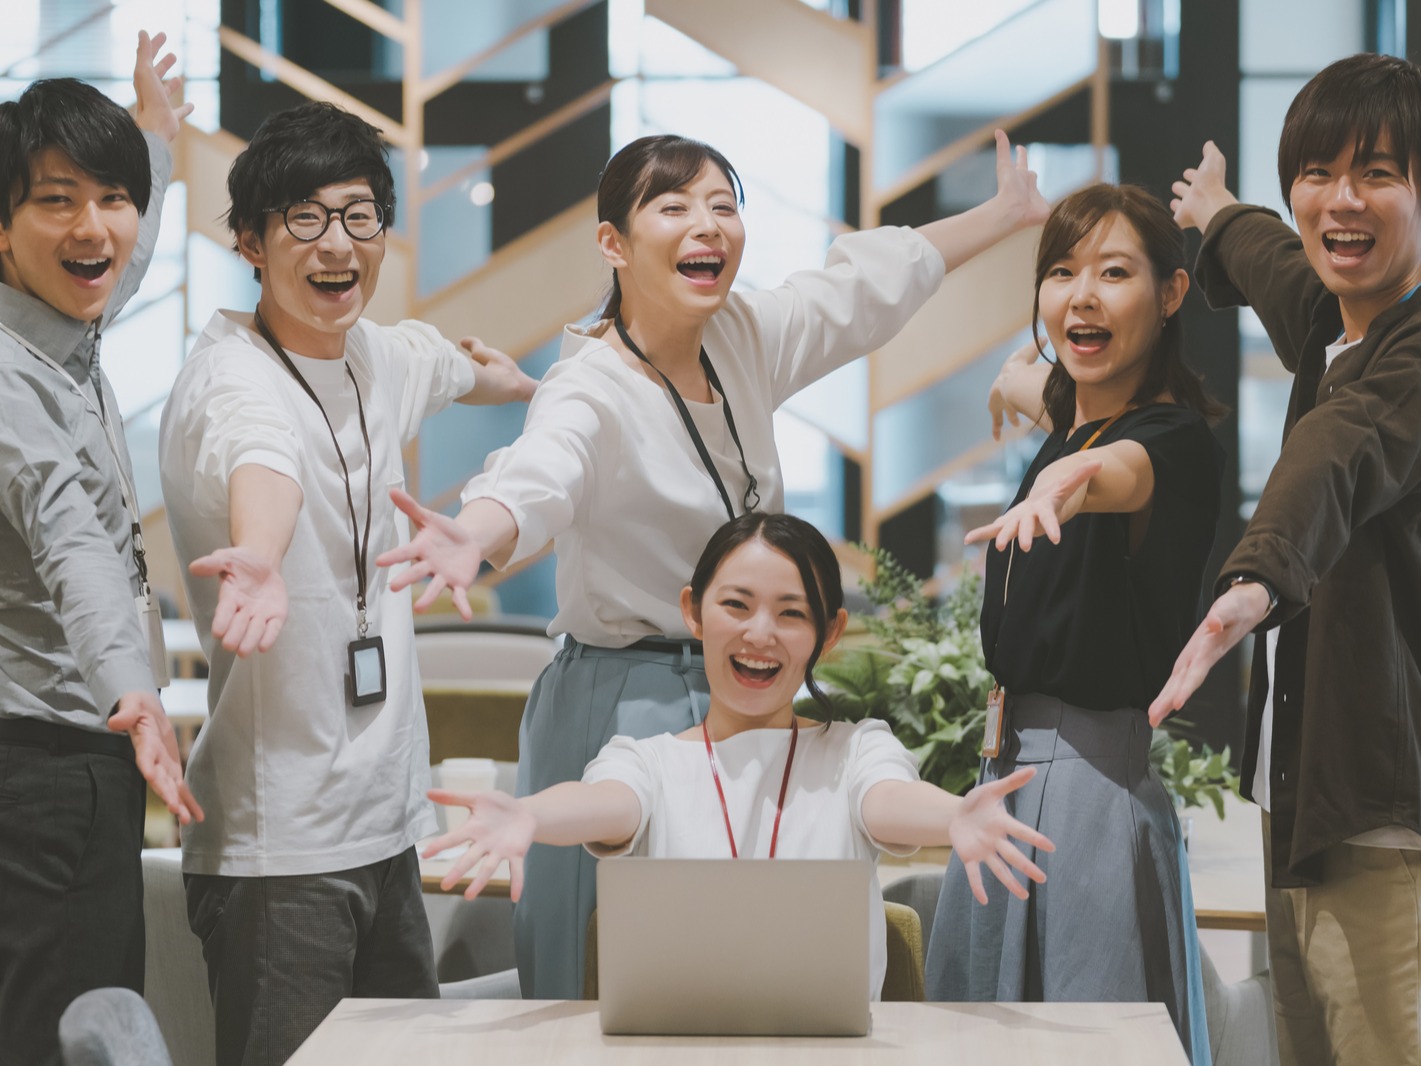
x: 251, y: 601
x: 1017, y: 380
x: 141, y: 716
x: 1052, y: 501
x: 156, y: 110
x: 1238, y: 611
x: 1016, y: 185
x: 1201, y: 193
x: 442, y: 550
x: 499, y: 827
x: 982, y: 831
x: 497, y: 378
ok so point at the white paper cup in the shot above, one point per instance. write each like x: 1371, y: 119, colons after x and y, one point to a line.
x: 463, y: 775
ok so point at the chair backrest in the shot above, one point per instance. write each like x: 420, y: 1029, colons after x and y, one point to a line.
x: 175, y: 982
x: 902, y: 981
x: 111, y: 1027
x: 474, y: 656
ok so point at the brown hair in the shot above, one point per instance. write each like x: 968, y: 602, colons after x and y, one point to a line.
x: 1163, y: 241
x: 642, y: 171
x: 1358, y: 100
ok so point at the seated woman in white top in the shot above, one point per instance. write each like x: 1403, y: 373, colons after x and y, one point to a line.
x: 754, y: 779
x: 654, y: 427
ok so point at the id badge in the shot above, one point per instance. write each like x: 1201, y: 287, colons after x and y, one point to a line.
x: 992, y: 732
x: 367, y: 671
x: 152, y: 624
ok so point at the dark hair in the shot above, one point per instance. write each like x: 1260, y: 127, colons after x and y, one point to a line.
x: 1359, y: 100
x: 642, y: 171
x: 297, y: 151
x: 100, y: 138
x: 804, y: 546
x: 1163, y: 241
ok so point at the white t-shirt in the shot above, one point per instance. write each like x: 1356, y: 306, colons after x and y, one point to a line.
x: 606, y: 469
x: 1392, y: 836
x: 833, y: 770
x: 294, y: 779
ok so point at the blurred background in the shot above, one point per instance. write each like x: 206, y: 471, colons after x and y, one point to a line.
x: 838, y: 114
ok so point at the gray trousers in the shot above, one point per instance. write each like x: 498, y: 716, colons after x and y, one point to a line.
x: 586, y: 696
x: 283, y: 951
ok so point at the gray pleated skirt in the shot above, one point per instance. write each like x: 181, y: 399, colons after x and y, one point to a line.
x: 1115, y: 920
x: 586, y: 696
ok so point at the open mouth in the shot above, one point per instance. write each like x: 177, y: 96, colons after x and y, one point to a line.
x: 1349, y: 244
x: 1088, y: 338
x: 335, y: 282
x: 88, y: 269
x: 755, y: 671
x: 702, y: 268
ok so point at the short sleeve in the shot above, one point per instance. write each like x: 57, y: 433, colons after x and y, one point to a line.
x: 231, y: 420
x: 1186, y: 459
x: 432, y: 370
x: 875, y: 755
x: 629, y: 762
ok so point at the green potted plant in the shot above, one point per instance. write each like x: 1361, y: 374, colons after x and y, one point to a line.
x: 919, y: 667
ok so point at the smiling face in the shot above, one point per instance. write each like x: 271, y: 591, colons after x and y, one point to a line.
x: 682, y: 249
x: 1103, y: 308
x: 70, y: 239
x: 1360, y: 225
x: 759, y: 636
x: 313, y: 292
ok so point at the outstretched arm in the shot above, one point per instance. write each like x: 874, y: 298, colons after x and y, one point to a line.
x: 251, y: 602
x: 500, y: 827
x: 1017, y: 205
x: 1240, y: 610
x: 447, y: 550
x: 977, y: 826
x: 497, y: 377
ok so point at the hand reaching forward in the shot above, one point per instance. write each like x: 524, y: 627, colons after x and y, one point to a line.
x: 497, y: 377
x: 1238, y: 611
x: 1201, y: 193
x: 251, y: 601
x: 442, y: 550
x: 1016, y: 185
x: 156, y: 111
x: 499, y: 827
x: 981, y: 833
x: 141, y: 716
x: 1051, y: 502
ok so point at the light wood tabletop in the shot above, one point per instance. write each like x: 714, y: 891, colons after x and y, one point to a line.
x: 375, y: 1032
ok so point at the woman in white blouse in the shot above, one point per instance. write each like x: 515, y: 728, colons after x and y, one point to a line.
x: 653, y: 428
x: 754, y: 779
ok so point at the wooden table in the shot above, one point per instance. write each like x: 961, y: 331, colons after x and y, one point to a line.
x: 375, y: 1032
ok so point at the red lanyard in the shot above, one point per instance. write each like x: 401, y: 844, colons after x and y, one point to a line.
x: 784, y: 787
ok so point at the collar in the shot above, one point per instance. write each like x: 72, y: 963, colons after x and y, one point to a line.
x: 66, y: 340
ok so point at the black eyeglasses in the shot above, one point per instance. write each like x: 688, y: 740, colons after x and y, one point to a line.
x: 308, y: 220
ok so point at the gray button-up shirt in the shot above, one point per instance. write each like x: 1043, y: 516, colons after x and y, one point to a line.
x: 70, y: 640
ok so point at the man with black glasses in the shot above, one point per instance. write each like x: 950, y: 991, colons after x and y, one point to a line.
x: 280, y: 445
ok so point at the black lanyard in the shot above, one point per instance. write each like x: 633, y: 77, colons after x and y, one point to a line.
x: 752, y: 493
x: 362, y: 547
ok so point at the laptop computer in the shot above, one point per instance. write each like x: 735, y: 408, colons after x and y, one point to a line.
x: 733, y: 947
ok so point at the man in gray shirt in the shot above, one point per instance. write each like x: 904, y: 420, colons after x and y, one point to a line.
x: 79, y: 210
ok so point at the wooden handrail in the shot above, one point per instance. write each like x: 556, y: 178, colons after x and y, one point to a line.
x: 374, y: 16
